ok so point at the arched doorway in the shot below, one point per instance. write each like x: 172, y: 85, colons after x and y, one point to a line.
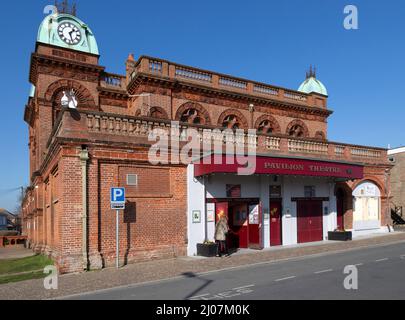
x: 340, y: 205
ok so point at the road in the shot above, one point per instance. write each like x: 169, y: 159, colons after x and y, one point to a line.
x: 381, y: 275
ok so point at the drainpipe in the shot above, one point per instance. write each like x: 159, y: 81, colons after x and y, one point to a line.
x: 84, y: 157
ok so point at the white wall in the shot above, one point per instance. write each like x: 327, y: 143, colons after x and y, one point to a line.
x: 257, y: 187
x: 195, y: 201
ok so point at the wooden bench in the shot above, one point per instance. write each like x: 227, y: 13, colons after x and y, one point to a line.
x: 11, y: 240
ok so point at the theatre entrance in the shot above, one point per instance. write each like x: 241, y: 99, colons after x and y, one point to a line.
x: 244, y: 219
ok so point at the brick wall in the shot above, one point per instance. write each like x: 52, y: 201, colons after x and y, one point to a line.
x: 150, y: 227
x: 398, y: 180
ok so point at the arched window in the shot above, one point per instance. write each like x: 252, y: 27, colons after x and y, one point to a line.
x: 232, y: 122
x: 233, y: 119
x: 367, y: 206
x: 266, y: 127
x: 192, y: 116
x: 193, y: 113
x: 297, y: 129
x: 267, y: 124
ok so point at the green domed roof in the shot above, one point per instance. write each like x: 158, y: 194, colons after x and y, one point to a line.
x: 48, y: 33
x: 312, y: 84
x: 32, y: 91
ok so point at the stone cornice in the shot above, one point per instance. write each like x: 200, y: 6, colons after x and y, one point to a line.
x: 37, y: 59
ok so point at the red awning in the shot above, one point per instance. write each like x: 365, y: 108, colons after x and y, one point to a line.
x: 280, y: 166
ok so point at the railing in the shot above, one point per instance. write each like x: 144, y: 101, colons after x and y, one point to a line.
x: 155, y: 66
x: 365, y: 153
x: 229, y: 82
x: 113, y: 81
x: 340, y: 150
x: 272, y: 143
x: 266, y: 90
x: 124, y: 127
x: 302, y: 146
x: 295, y: 96
x: 143, y: 128
x: 193, y: 74
x: 216, y: 80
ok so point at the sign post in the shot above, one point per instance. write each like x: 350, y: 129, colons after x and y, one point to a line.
x: 117, y: 203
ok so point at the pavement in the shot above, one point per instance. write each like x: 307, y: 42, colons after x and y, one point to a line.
x: 143, y: 275
x: 16, y: 252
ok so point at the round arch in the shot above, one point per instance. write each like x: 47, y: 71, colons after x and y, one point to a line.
x: 157, y: 112
x: 366, y: 205
x: 297, y: 129
x: 234, y: 116
x: 83, y: 95
x: 267, y: 124
x: 193, y: 113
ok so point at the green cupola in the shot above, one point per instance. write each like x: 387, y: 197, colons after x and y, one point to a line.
x: 312, y: 84
x: 63, y: 29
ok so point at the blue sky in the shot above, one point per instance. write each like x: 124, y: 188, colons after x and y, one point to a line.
x: 268, y: 41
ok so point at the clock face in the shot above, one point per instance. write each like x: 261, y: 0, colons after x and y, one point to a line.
x: 69, y: 33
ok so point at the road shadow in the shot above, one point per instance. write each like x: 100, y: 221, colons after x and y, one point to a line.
x: 205, y: 284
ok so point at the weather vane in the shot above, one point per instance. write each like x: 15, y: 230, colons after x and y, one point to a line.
x: 64, y: 7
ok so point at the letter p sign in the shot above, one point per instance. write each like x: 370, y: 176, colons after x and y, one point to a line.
x: 118, y: 198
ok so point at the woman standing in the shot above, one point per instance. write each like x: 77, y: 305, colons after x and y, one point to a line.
x: 221, y: 231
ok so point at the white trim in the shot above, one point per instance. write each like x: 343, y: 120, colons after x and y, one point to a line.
x: 396, y: 151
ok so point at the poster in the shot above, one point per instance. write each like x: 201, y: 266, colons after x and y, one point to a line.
x: 254, y: 218
x: 196, y: 216
x: 211, y: 216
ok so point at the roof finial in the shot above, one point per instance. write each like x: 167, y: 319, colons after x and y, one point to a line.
x: 64, y: 7
x: 312, y: 72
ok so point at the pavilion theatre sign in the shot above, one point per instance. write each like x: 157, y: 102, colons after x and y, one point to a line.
x: 300, y: 167
x: 286, y: 166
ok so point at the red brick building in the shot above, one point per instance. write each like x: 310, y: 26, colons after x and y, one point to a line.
x: 88, y: 132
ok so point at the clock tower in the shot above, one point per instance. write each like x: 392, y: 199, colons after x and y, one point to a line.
x: 65, y: 75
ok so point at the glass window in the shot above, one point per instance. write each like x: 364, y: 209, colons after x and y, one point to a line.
x: 310, y: 192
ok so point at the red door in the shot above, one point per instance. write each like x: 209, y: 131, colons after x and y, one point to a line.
x: 275, y: 224
x: 238, y: 223
x: 340, y: 210
x: 309, y: 221
x: 254, y: 227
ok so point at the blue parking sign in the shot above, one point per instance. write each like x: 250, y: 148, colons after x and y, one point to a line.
x: 118, y: 198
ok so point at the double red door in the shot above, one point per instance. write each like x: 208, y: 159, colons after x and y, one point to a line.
x: 244, y: 223
x: 310, y: 221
